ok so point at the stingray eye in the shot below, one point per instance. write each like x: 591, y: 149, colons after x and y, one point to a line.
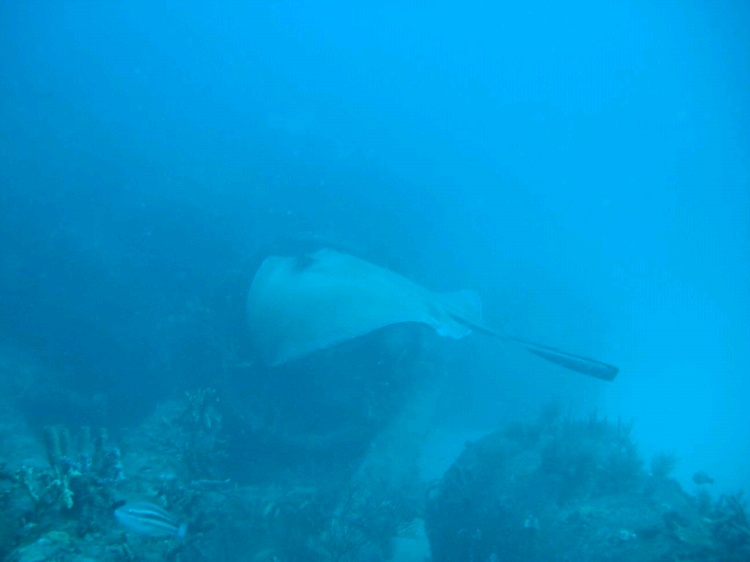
x: 303, y: 261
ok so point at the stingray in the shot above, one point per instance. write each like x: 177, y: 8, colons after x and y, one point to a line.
x: 302, y: 304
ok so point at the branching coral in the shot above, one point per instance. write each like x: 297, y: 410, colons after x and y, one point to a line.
x: 365, y: 517
x: 730, y: 522
x: 194, y: 435
x: 663, y: 465
x: 75, y: 489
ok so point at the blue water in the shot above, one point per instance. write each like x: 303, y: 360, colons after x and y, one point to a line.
x: 584, y: 166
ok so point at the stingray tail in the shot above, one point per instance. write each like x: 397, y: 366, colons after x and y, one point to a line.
x: 578, y: 363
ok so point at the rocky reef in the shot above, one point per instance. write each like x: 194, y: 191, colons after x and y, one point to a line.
x: 70, y: 495
x: 321, y: 465
x: 576, y: 489
x: 59, y: 505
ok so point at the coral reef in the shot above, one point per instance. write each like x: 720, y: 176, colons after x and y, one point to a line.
x: 663, y: 465
x: 193, y: 435
x: 63, y: 510
x: 565, y: 489
x: 322, y: 467
x: 729, y: 524
x: 73, y: 491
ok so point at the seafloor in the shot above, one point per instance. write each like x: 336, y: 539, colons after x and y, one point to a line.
x: 261, y: 483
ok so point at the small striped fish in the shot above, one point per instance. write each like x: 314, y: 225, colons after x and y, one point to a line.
x: 149, y: 519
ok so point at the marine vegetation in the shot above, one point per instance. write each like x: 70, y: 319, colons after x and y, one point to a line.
x: 64, y: 508
x: 575, y: 489
x: 328, y: 524
x: 74, y: 490
x: 192, y: 434
x: 729, y: 523
x: 663, y: 465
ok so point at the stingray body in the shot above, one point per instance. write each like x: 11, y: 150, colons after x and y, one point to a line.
x: 298, y: 305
